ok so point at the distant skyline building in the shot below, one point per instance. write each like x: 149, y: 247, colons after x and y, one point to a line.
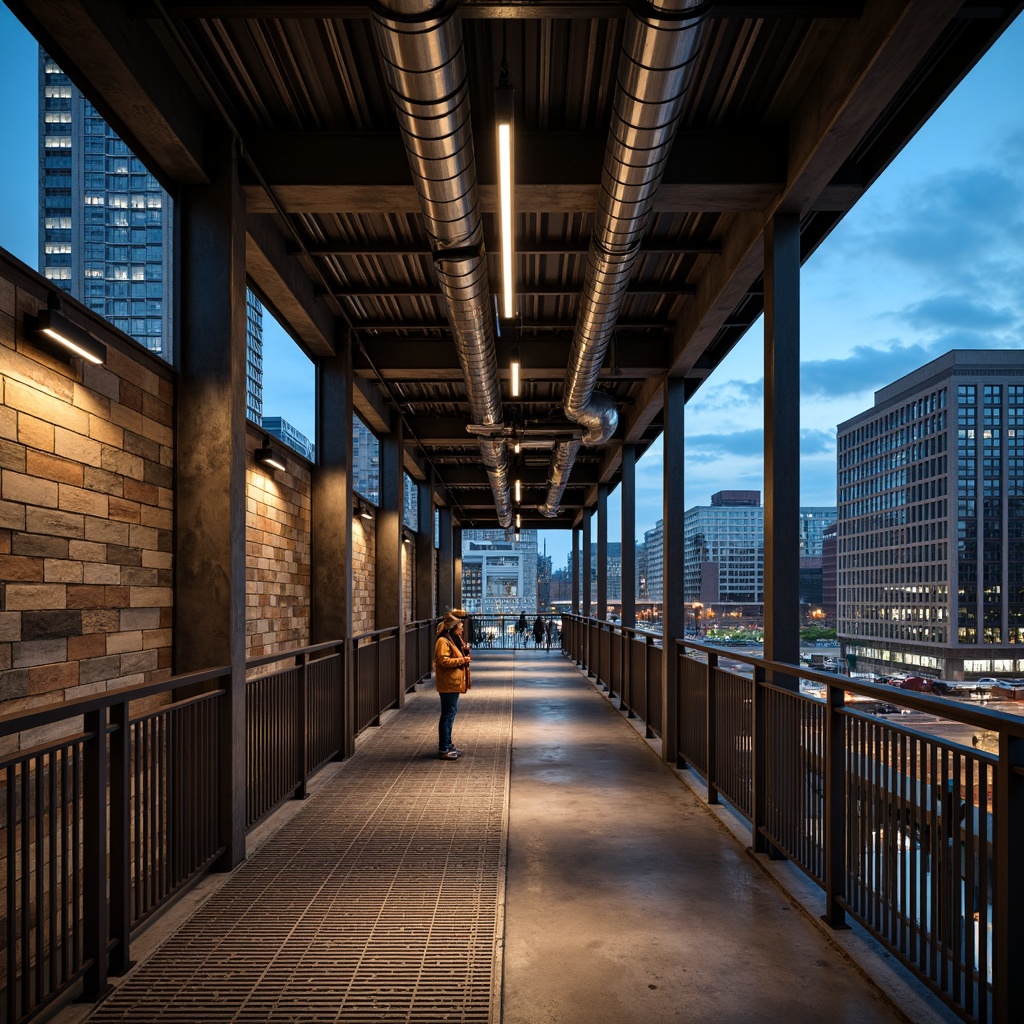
x: 813, y: 522
x: 295, y: 439
x: 499, y: 575
x: 654, y: 546
x: 930, y: 528
x: 365, y: 460
x: 106, y: 227
x: 724, y: 553
x: 828, y: 574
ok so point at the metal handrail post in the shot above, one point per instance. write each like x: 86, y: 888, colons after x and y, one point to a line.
x: 95, y: 909
x: 120, y: 839
x: 711, y: 724
x: 303, y: 723
x: 1008, y: 901
x: 758, y: 803
x: 835, y: 807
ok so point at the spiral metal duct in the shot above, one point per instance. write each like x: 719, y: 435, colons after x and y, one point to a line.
x: 421, y: 45
x: 659, y: 42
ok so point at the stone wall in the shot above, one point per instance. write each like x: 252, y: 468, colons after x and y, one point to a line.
x: 277, y: 551
x: 86, y: 507
x: 364, y: 580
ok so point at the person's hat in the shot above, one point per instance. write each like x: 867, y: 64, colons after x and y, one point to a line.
x: 448, y: 622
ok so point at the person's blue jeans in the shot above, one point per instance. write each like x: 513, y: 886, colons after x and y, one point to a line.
x: 449, y: 706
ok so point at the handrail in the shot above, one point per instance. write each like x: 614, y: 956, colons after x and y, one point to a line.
x: 18, y: 721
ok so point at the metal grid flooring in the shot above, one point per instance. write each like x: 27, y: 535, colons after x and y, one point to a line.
x: 379, y: 902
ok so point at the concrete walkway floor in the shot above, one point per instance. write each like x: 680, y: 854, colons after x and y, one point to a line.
x: 579, y: 880
x: 627, y: 901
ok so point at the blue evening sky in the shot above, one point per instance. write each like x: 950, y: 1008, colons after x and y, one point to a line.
x: 931, y: 259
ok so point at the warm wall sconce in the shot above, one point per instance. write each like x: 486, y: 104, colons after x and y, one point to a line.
x: 52, y: 324
x: 504, y: 108
x: 364, y: 510
x: 266, y: 456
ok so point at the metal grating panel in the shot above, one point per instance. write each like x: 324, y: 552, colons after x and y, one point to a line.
x: 379, y: 902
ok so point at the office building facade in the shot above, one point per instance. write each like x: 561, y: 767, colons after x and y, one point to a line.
x: 499, y: 575
x: 106, y: 227
x: 724, y: 553
x: 930, y: 526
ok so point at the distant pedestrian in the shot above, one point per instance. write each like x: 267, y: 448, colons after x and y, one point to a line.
x: 538, y: 631
x: 521, y: 627
x: 451, y: 676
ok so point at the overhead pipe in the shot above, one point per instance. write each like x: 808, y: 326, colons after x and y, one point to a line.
x: 421, y: 45
x: 660, y: 41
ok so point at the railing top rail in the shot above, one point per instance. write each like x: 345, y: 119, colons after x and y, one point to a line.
x: 386, y: 631
x: 983, y: 718
x: 269, y: 659
x: 615, y: 626
x: 16, y: 721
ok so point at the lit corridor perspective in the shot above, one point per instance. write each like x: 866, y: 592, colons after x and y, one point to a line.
x: 559, y: 872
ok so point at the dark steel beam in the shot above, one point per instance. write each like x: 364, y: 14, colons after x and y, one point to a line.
x: 491, y: 9
x: 312, y: 172
x: 524, y: 247
x: 542, y: 291
x: 634, y: 356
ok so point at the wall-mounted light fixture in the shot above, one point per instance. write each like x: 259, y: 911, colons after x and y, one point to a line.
x: 406, y: 537
x: 266, y: 456
x: 504, y: 110
x: 364, y: 511
x: 52, y: 324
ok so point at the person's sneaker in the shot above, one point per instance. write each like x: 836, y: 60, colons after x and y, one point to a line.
x: 455, y: 750
x: 448, y: 755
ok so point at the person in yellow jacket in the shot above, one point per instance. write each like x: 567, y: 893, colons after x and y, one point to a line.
x: 451, y: 675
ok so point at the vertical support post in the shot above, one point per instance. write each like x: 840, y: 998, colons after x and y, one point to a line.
x: 602, y: 552
x: 575, y: 560
x: 628, y: 514
x: 423, y: 592
x: 390, y: 591
x: 445, y: 563
x: 587, y: 607
x: 210, y: 468
x: 332, y: 513
x: 1008, y: 890
x: 120, y: 839
x: 95, y: 922
x: 457, y: 564
x: 673, y: 610
x: 835, y: 808
x: 782, y: 443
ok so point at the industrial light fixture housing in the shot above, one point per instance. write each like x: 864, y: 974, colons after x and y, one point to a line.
x: 266, y: 456
x: 56, y: 327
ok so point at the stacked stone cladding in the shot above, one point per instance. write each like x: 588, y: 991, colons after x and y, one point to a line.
x: 86, y: 508
x: 277, y: 551
x: 364, y: 581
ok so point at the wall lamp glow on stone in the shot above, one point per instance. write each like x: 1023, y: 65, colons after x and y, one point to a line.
x: 266, y: 456
x: 52, y: 324
x: 364, y: 511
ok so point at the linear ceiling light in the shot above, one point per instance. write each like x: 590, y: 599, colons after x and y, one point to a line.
x: 266, y: 456
x: 514, y: 367
x: 519, y: 490
x: 504, y: 105
x: 55, y: 326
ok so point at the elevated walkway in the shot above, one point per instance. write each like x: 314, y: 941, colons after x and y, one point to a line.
x: 386, y: 896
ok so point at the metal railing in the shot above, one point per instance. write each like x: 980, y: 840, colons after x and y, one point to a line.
x: 916, y: 835
x: 105, y: 819
x: 108, y: 814
x: 511, y: 632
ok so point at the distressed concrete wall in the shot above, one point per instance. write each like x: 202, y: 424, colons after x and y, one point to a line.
x: 86, y: 508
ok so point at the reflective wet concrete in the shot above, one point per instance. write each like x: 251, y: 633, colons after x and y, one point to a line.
x: 627, y: 900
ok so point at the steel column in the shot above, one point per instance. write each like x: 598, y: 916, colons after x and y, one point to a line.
x: 673, y: 615
x: 628, y: 513
x: 390, y: 591
x: 782, y: 442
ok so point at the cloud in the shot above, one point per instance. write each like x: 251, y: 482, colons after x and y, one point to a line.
x: 864, y: 370
x: 958, y: 311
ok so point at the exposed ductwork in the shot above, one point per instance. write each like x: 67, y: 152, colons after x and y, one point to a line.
x: 421, y: 44
x: 658, y: 46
